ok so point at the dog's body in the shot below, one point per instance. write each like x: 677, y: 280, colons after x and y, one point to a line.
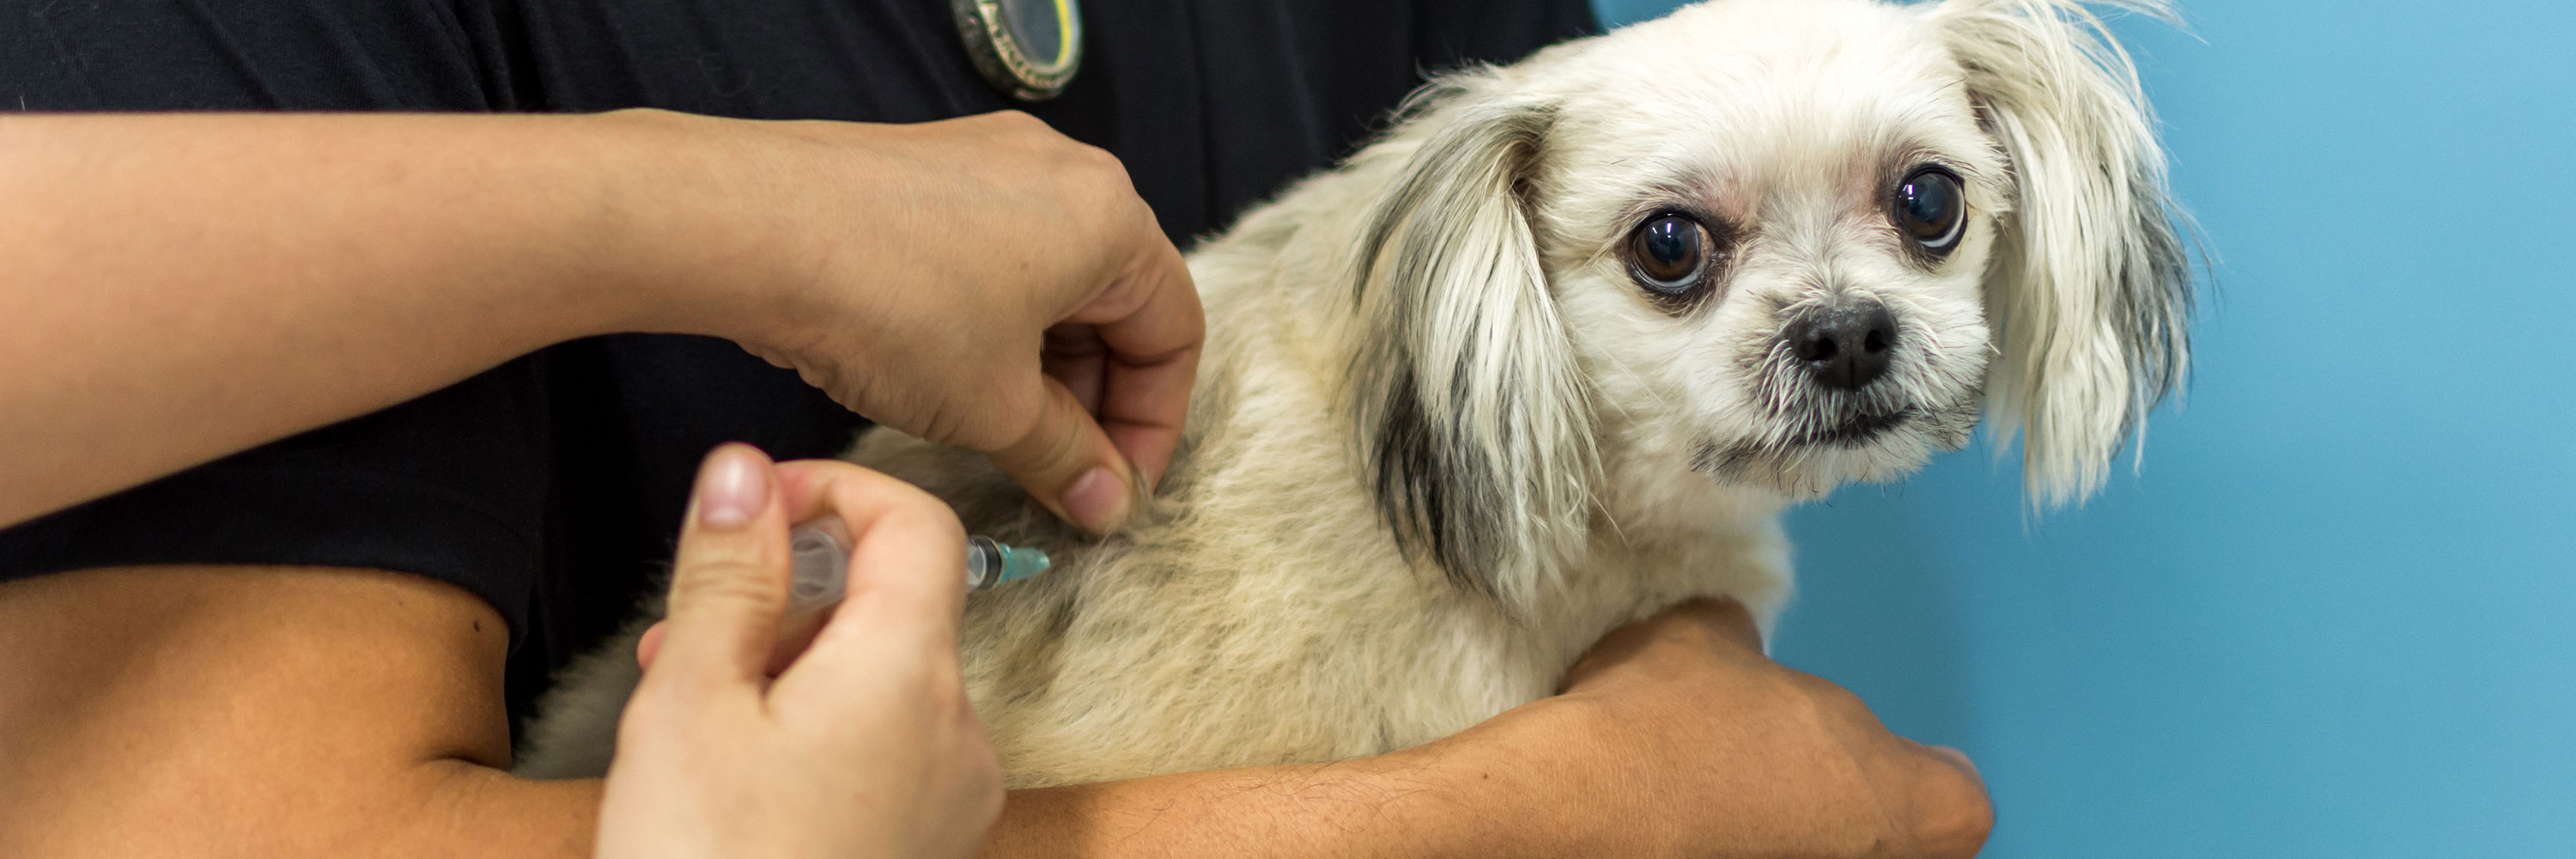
x: 1455, y: 422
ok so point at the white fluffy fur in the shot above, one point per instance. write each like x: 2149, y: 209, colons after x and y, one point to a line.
x: 1442, y: 442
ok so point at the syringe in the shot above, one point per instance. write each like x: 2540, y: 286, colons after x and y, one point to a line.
x: 822, y: 566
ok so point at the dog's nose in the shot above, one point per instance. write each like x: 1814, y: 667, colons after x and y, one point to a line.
x: 1845, y: 346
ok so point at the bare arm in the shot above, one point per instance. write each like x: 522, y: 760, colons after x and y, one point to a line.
x: 177, y: 287
x: 259, y: 712
x: 180, y: 287
x: 1676, y: 738
x: 298, y: 712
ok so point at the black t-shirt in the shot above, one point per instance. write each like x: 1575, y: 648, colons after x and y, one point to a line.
x: 552, y: 486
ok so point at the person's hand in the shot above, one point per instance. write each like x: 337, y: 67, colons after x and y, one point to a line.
x: 1682, y: 735
x: 983, y: 282
x: 865, y: 745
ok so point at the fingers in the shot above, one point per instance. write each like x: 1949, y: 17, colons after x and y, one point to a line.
x: 1076, y: 359
x: 1119, y: 370
x: 907, y: 569
x: 1696, y: 672
x: 793, y: 638
x: 648, y: 645
x: 1067, y: 463
x: 1152, y: 327
x: 1950, y: 812
x: 729, y: 578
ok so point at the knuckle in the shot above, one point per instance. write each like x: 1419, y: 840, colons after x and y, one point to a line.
x: 1815, y: 690
x: 1110, y: 168
x: 1099, y: 175
x: 918, y: 508
x: 894, y: 492
x: 726, y: 579
x: 919, y: 516
x: 1843, y: 702
x: 668, y: 703
x: 1015, y: 121
x: 946, y: 687
x: 1827, y: 697
x: 1050, y: 444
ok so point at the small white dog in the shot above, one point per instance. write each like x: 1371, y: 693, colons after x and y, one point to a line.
x: 1553, y: 354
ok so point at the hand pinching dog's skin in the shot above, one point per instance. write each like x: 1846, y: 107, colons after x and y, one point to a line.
x: 1553, y: 354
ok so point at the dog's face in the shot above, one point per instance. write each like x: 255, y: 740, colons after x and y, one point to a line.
x: 1768, y: 225
x: 1768, y: 246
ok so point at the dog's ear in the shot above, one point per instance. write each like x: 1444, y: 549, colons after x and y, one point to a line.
x: 1472, y: 419
x: 2090, y: 287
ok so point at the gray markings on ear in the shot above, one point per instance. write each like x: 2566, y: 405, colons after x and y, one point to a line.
x: 1474, y: 424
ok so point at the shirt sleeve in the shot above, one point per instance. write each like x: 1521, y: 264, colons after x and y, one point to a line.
x: 448, y: 486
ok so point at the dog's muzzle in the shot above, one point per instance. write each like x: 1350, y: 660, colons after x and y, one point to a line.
x: 1844, y: 389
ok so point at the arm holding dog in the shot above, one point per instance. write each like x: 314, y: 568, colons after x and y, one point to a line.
x: 291, y: 712
x: 183, y: 286
x: 1675, y: 737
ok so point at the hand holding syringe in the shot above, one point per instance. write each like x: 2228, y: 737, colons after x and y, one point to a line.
x: 716, y: 722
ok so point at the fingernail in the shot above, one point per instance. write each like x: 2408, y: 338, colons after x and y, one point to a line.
x: 732, y: 486
x: 1096, y: 501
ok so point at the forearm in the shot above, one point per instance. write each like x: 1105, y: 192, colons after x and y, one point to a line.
x: 1562, y: 776
x: 181, y: 286
x: 1451, y: 798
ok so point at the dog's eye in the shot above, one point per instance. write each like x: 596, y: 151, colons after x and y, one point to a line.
x: 1931, y: 211
x: 1670, y: 252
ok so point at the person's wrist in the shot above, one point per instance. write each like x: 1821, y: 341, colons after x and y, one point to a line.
x: 1529, y: 779
x: 688, y: 234
x: 573, y: 193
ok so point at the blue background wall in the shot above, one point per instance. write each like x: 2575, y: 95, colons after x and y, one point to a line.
x: 2335, y: 615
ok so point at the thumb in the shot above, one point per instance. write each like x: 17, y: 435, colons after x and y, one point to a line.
x: 1068, y: 464
x: 729, y: 578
